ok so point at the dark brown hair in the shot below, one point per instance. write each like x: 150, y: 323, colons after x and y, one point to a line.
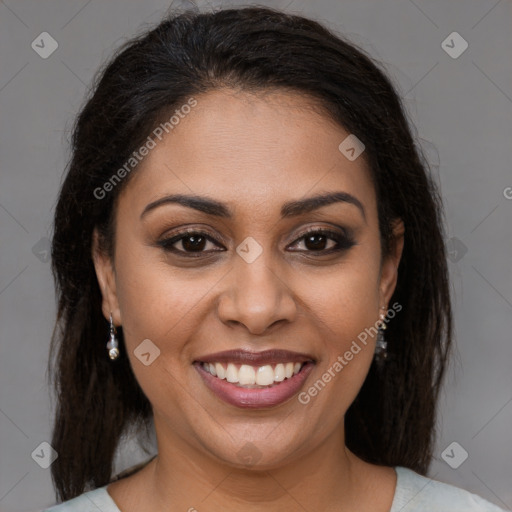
x: 253, y: 49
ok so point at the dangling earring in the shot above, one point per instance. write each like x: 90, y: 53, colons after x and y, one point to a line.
x: 112, y: 344
x: 381, y: 345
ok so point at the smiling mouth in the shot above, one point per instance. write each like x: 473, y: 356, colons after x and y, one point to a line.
x: 248, y: 376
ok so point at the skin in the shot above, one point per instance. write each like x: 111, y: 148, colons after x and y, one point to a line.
x: 254, y: 153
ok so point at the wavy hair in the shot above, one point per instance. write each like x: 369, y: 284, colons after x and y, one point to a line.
x: 392, y: 420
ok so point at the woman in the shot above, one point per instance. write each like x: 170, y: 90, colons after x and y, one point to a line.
x: 247, y: 220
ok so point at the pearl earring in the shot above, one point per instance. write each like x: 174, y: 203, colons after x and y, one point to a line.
x: 112, y: 344
x: 381, y: 345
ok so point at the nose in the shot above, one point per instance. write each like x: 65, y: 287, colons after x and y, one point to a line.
x: 256, y: 296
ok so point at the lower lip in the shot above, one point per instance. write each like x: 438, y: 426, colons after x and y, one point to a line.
x: 255, y: 398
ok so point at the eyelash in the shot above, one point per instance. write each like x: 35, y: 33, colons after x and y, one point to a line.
x: 343, y: 242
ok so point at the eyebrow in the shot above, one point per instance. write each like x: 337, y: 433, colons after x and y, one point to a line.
x: 289, y: 209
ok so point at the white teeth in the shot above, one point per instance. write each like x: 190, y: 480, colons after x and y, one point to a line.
x: 246, y: 375
x: 219, y: 370
x: 250, y: 376
x: 265, y: 375
x: 232, y: 373
x: 279, y: 373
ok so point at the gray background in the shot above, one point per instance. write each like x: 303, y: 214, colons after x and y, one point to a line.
x: 462, y: 108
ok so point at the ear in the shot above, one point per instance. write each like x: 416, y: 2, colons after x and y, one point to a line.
x: 389, y: 270
x: 105, y: 274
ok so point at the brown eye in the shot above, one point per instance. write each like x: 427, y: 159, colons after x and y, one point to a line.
x: 317, y: 241
x: 190, y: 241
x: 193, y: 242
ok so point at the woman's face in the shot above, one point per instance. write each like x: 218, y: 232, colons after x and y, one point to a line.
x: 248, y: 278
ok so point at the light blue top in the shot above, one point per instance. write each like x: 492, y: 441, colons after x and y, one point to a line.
x: 413, y: 493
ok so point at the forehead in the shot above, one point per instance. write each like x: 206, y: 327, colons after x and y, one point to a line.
x: 251, y: 151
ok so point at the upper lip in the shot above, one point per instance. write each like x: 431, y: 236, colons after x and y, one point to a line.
x: 273, y: 356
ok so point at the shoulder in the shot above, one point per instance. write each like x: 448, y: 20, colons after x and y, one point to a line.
x: 98, y: 499
x: 417, y: 493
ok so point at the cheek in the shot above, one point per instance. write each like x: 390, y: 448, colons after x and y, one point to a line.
x: 157, y: 304
x: 345, y: 315
x: 152, y: 298
x: 345, y: 306
x: 346, y: 300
